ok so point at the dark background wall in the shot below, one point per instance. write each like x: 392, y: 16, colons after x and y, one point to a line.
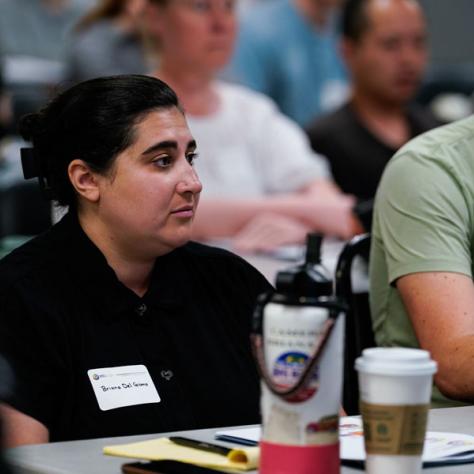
x: 451, y: 25
x: 451, y: 41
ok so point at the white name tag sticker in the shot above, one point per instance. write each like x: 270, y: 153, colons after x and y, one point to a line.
x: 116, y: 387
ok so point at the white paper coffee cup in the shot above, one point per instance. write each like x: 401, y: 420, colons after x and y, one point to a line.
x: 395, y: 390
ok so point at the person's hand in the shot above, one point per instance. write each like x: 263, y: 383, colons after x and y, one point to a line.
x: 268, y: 231
x: 332, y: 215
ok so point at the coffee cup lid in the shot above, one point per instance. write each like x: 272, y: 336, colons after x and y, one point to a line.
x: 395, y: 361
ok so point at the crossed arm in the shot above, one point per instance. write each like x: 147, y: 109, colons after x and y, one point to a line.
x: 441, y: 308
x: 266, y: 222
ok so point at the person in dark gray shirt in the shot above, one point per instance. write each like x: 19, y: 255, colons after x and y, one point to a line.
x: 384, y: 46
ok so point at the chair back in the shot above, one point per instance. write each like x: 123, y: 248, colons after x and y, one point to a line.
x: 358, y: 332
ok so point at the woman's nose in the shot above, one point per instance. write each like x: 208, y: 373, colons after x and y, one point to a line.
x: 189, y: 182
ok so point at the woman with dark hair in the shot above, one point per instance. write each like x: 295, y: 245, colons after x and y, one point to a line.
x: 108, y: 40
x: 113, y: 323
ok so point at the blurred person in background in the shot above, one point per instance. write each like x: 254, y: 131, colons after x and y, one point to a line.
x: 263, y: 185
x: 385, y: 48
x: 288, y: 49
x: 108, y: 40
x: 33, y: 36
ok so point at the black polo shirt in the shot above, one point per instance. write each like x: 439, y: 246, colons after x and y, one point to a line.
x: 63, y: 311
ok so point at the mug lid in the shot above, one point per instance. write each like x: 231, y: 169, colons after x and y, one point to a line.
x: 396, y: 361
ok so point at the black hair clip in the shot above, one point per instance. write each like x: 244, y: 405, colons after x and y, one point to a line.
x: 29, y: 163
x: 32, y: 169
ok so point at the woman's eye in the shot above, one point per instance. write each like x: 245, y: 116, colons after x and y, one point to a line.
x: 191, y: 157
x: 162, y: 161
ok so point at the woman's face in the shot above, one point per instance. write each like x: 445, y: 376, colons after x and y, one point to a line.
x: 195, y: 34
x: 149, y: 198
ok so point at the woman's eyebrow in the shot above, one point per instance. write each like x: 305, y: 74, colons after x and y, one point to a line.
x: 167, y: 144
x: 192, y: 145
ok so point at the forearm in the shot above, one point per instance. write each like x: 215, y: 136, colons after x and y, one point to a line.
x: 221, y: 218
x: 322, y: 188
x: 441, y: 308
x: 455, y: 376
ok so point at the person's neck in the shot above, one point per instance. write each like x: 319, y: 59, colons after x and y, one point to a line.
x: 311, y: 10
x: 196, y: 91
x: 132, y: 270
x: 386, y: 120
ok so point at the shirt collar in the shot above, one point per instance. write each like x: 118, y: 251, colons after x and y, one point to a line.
x: 100, y: 282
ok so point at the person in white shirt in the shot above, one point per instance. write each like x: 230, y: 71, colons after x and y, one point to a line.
x: 263, y: 186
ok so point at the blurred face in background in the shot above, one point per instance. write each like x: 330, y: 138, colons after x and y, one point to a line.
x: 197, y: 35
x: 134, y: 9
x: 387, y: 62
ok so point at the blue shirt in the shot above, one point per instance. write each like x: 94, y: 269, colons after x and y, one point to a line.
x: 280, y: 53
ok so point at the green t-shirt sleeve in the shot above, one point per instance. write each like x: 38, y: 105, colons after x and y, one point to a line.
x: 423, y: 217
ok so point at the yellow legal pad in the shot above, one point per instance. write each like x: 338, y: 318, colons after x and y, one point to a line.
x: 242, y: 459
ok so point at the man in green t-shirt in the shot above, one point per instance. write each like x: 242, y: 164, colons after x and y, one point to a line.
x: 421, y: 266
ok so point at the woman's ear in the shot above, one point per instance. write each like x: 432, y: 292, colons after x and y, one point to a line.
x: 84, y: 180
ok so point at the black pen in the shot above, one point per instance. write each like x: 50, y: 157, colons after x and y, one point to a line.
x: 194, y: 443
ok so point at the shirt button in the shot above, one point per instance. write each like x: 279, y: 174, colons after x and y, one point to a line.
x: 141, y: 310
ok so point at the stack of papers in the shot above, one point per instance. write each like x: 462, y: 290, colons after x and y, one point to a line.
x: 440, y: 448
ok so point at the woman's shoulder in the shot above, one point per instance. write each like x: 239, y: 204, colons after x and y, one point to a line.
x: 23, y: 260
x: 37, y: 259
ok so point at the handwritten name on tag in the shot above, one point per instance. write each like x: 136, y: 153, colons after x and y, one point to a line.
x: 116, y: 387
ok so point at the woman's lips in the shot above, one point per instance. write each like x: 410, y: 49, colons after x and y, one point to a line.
x: 186, y: 211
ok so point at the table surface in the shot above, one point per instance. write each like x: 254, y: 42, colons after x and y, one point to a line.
x: 85, y: 457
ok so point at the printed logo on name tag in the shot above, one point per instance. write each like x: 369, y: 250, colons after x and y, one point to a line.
x: 116, y: 387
